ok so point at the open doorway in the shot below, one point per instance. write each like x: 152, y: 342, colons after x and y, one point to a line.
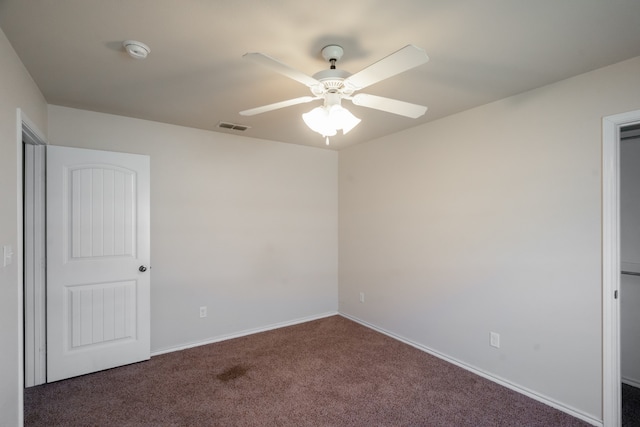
x: 611, y: 263
x: 630, y: 269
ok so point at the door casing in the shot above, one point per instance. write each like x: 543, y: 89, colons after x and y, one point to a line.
x: 26, y: 133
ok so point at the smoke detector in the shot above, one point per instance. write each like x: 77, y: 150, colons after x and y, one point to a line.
x: 135, y: 49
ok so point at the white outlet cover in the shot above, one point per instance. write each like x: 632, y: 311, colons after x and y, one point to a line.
x: 495, y: 340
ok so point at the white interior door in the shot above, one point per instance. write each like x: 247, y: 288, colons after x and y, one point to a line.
x: 98, y: 313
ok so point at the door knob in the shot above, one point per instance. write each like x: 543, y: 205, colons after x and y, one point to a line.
x: 142, y: 268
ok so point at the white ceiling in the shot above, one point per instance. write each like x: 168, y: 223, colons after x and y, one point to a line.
x: 480, y: 51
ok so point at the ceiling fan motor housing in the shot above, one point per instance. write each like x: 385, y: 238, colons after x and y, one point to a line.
x: 332, y: 81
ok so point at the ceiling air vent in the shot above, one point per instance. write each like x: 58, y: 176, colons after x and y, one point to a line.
x: 233, y: 126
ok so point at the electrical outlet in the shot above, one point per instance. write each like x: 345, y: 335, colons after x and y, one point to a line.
x: 495, y: 340
x: 203, y: 311
x: 361, y: 296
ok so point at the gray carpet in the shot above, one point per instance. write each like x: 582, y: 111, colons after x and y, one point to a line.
x: 630, y: 406
x: 329, y: 372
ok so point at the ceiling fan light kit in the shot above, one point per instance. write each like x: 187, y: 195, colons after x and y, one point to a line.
x: 331, y: 117
x: 327, y: 121
x: 334, y: 85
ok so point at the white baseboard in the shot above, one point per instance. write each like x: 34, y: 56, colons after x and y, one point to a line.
x: 630, y: 381
x: 522, y: 390
x: 243, y: 333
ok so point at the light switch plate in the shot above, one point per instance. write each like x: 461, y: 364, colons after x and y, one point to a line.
x: 7, y: 255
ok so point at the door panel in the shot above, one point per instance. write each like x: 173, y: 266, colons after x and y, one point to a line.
x: 97, y: 238
x: 102, y: 312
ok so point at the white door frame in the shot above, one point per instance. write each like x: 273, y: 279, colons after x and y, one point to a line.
x: 29, y: 133
x: 611, y: 381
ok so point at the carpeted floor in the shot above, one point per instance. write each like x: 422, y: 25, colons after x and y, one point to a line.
x: 630, y: 406
x: 329, y: 372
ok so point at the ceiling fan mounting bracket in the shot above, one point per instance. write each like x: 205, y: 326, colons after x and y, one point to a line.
x: 332, y: 52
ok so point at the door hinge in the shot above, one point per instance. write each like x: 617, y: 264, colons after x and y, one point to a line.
x: 615, y: 294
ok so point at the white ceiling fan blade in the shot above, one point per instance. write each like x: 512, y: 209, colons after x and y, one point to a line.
x: 281, y: 68
x: 275, y: 106
x: 389, y: 105
x: 402, y: 60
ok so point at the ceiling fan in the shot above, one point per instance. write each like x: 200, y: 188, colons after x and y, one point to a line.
x: 334, y: 85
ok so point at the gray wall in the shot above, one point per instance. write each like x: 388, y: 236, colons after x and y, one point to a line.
x: 17, y: 90
x: 490, y: 221
x: 245, y: 227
